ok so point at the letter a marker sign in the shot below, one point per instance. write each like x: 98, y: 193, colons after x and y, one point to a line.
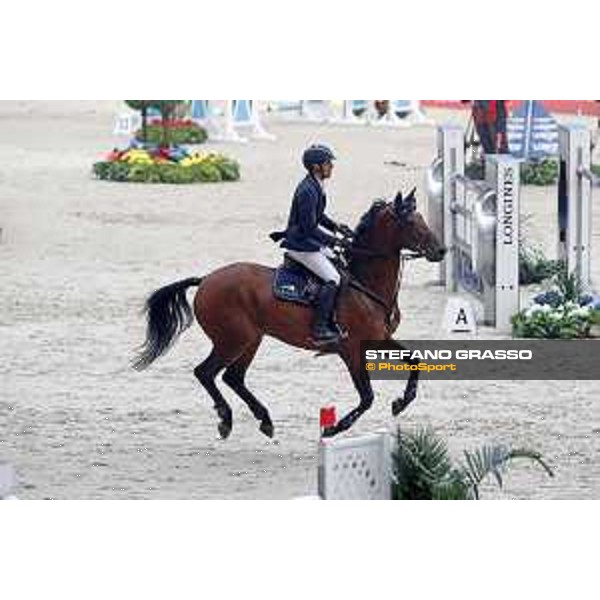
x: 460, y: 317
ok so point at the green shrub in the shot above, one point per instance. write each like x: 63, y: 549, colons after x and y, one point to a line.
x: 207, y: 172
x: 423, y: 470
x: 142, y: 174
x: 569, y: 321
x: 111, y: 171
x: 190, y: 134
x: 534, y: 172
x: 534, y: 267
x: 539, y: 172
x: 172, y: 173
x: 230, y: 171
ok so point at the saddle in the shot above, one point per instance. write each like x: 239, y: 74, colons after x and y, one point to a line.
x: 293, y: 282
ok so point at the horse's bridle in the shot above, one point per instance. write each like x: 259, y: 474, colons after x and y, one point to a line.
x: 368, y: 253
x: 405, y: 255
x: 358, y: 285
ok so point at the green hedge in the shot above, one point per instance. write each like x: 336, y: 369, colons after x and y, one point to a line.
x: 225, y: 170
x: 540, y: 172
x: 190, y: 134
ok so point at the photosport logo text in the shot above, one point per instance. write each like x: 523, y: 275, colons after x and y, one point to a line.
x: 482, y: 359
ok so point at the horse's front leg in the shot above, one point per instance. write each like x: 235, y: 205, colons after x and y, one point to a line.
x: 410, y: 391
x: 362, y: 383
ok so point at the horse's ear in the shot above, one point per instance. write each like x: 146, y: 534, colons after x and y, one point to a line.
x: 405, y: 206
x: 398, y: 199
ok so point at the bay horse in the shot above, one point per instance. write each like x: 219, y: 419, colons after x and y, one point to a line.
x: 236, y: 308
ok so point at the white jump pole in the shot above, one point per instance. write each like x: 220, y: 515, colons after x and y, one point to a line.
x: 245, y: 114
x: 228, y: 132
x: 347, y: 116
x: 575, y: 201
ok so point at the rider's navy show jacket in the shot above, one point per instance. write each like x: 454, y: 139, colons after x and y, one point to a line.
x: 307, y: 213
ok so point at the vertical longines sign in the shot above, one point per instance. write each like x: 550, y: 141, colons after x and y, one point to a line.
x: 507, y: 211
x: 507, y: 237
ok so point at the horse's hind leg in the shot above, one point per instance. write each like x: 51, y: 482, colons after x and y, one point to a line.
x: 234, y: 377
x: 206, y: 372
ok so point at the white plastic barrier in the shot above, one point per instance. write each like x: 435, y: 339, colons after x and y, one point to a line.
x: 345, y: 112
x: 356, y: 468
x: 245, y: 115
x: 223, y: 122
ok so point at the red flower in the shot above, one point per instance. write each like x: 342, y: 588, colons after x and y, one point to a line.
x: 114, y: 155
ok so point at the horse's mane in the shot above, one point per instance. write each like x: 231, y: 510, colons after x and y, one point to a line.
x: 366, y: 221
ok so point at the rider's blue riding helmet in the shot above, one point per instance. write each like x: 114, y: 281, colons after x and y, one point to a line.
x: 317, y: 154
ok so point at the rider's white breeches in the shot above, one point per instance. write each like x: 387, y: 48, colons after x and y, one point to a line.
x: 318, y: 263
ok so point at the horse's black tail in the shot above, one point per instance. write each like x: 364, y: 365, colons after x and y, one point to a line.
x: 168, y: 314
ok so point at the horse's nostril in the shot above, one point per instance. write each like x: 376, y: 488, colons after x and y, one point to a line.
x: 438, y: 254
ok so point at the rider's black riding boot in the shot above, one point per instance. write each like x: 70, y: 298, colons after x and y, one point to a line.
x: 324, y: 331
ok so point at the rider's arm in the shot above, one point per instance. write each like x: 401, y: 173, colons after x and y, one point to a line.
x: 307, y: 217
x: 328, y: 223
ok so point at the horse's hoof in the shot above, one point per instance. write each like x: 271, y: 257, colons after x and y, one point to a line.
x: 224, y: 429
x: 267, y: 428
x: 398, y: 406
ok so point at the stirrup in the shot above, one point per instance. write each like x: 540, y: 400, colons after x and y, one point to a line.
x: 333, y: 335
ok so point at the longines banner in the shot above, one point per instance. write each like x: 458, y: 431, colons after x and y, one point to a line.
x: 483, y: 359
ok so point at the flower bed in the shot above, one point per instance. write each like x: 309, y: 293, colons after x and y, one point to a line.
x: 162, y: 165
x: 179, y: 131
x: 559, y: 313
x: 566, y: 321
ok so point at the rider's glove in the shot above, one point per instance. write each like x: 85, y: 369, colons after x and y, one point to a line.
x: 343, y: 243
x: 345, y: 230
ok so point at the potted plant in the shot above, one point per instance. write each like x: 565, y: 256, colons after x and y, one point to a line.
x: 423, y: 470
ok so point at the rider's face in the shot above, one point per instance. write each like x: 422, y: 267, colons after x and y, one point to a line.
x: 326, y: 170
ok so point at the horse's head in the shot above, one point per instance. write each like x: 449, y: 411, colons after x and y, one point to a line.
x: 390, y: 227
x: 412, y: 232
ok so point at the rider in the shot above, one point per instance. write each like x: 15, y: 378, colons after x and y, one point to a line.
x: 309, y: 237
